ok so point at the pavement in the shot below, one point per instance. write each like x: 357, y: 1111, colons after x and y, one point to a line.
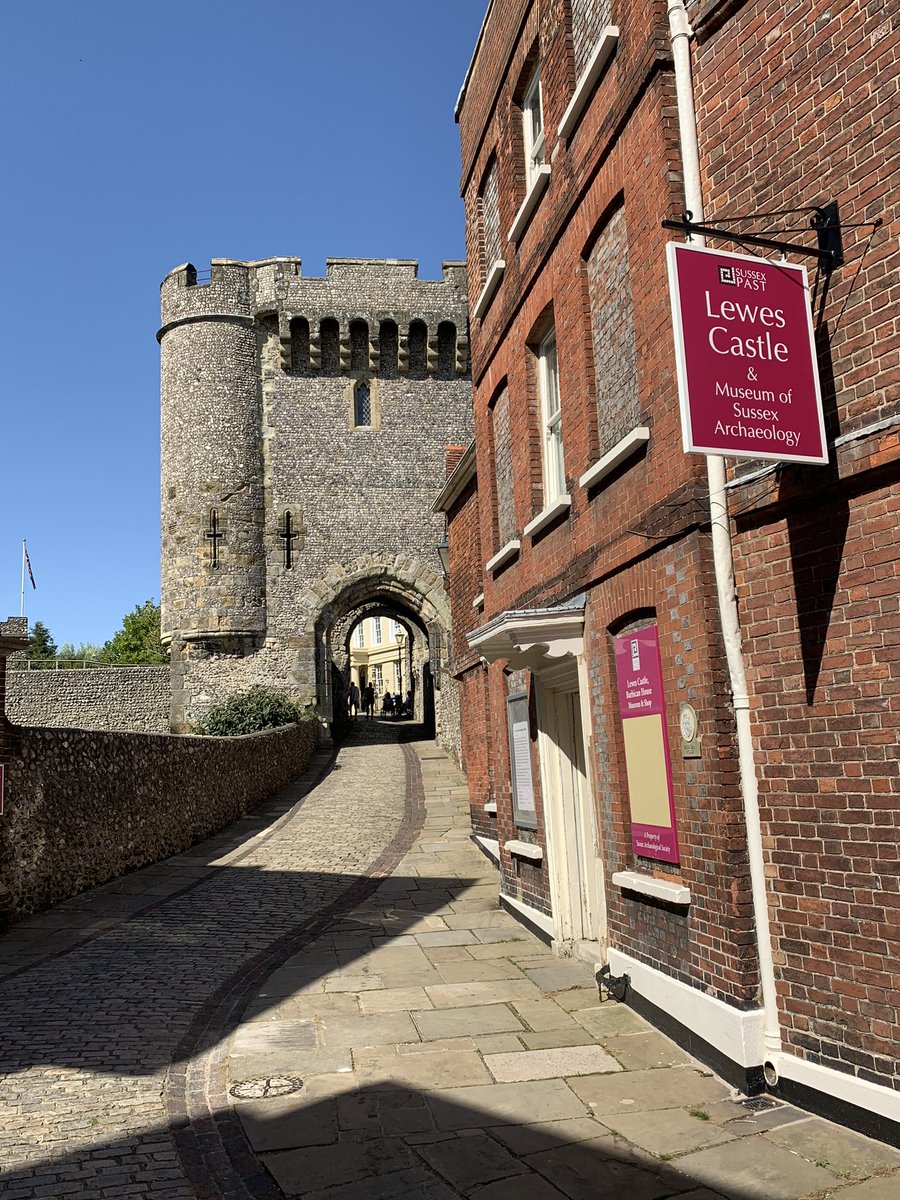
x: 327, y: 1002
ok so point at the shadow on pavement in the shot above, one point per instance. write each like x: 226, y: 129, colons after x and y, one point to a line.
x: 122, y: 1004
x: 534, y: 1142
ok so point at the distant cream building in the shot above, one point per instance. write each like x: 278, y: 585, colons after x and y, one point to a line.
x: 378, y: 655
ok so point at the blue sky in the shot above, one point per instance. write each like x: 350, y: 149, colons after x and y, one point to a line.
x: 139, y: 135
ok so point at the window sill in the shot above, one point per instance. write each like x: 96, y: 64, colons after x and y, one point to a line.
x: 490, y: 846
x: 491, y: 808
x: 525, y: 850
x: 597, y: 63
x: 629, y: 445
x: 659, y: 889
x: 560, y: 505
x: 506, y: 554
x: 495, y: 274
x: 529, y: 204
x: 478, y: 602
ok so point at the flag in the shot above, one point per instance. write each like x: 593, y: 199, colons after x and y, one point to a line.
x: 28, y: 565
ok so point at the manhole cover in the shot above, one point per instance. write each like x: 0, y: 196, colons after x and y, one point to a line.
x: 759, y: 1104
x: 267, y: 1087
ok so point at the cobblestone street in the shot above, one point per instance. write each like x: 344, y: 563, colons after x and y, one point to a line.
x: 443, y: 1052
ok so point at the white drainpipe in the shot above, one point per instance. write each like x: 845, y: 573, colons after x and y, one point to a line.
x: 681, y: 34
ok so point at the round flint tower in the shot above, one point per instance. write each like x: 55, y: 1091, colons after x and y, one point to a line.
x: 213, y: 565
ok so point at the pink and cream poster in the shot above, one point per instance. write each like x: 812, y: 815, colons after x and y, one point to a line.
x: 647, y: 762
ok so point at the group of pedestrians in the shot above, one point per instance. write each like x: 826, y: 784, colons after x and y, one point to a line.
x: 394, y: 705
x: 367, y: 698
x: 391, y: 705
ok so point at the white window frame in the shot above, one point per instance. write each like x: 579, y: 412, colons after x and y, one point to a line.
x: 533, y: 129
x: 376, y: 621
x: 377, y: 679
x: 551, y: 420
x: 361, y: 634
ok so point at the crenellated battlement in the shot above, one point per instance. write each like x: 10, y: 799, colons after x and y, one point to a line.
x: 364, y: 316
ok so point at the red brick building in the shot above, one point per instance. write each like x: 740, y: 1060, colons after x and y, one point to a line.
x: 582, y: 561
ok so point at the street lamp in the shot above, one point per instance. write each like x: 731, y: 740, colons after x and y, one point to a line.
x: 401, y: 644
x: 444, y: 555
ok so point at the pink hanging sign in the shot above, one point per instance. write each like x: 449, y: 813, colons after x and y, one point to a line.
x: 746, y: 360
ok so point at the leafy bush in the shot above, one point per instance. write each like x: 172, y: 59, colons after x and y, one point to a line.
x: 251, y: 711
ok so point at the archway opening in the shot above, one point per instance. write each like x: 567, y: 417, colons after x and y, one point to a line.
x: 383, y: 633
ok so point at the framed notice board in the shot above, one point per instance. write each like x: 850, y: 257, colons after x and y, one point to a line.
x: 524, y: 812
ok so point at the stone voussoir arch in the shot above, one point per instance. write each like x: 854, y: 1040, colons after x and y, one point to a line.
x: 389, y: 576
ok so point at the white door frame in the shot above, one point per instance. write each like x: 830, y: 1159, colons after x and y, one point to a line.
x: 574, y: 865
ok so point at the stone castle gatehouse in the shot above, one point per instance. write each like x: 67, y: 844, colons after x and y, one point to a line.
x: 304, y: 429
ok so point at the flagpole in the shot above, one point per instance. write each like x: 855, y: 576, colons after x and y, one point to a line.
x: 22, y: 598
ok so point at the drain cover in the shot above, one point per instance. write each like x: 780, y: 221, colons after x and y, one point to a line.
x: 267, y: 1087
x: 759, y: 1104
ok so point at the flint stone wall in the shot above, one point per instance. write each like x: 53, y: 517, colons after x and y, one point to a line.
x: 85, y: 807
x: 132, y: 698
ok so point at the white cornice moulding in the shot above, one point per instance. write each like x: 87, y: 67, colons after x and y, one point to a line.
x: 597, y: 63
x: 524, y: 850
x: 495, y: 274
x: 560, y: 505
x: 660, y: 889
x: 503, y: 555
x: 630, y: 444
x: 530, y: 203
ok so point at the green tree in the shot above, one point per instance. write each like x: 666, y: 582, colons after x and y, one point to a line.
x: 138, y: 640
x: 40, y: 643
x: 86, y: 652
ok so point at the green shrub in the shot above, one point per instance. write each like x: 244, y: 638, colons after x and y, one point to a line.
x: 251, y: 711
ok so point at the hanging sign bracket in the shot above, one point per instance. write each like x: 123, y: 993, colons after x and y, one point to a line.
x: 825, y: 220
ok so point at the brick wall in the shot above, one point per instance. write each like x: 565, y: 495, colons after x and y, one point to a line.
x: 797, y: 106
x: 590, y: 265
x: 805, y: 104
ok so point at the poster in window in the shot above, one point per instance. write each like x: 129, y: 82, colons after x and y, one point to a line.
x: 647, y: 763
x: 524, y: 813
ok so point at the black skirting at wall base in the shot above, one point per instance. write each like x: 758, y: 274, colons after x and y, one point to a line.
x: 751, y: 1082
x: 873, y: 1125
x: 522, y: 918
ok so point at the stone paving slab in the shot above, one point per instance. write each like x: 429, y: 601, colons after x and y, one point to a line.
x: 461, y: 1022
x: 744, y: 1169
x: 670, y: 1132
x: 590, y: 1169
x: 550, y: 1064
x: 534, y: 1187
x: 467, y: 1162
x: 426, y: 1071
x: 670, y: 1087
x: 505, y: 1104
x: 872, y: 1189
x: 315, y: 1168
x: 648, y: 1049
